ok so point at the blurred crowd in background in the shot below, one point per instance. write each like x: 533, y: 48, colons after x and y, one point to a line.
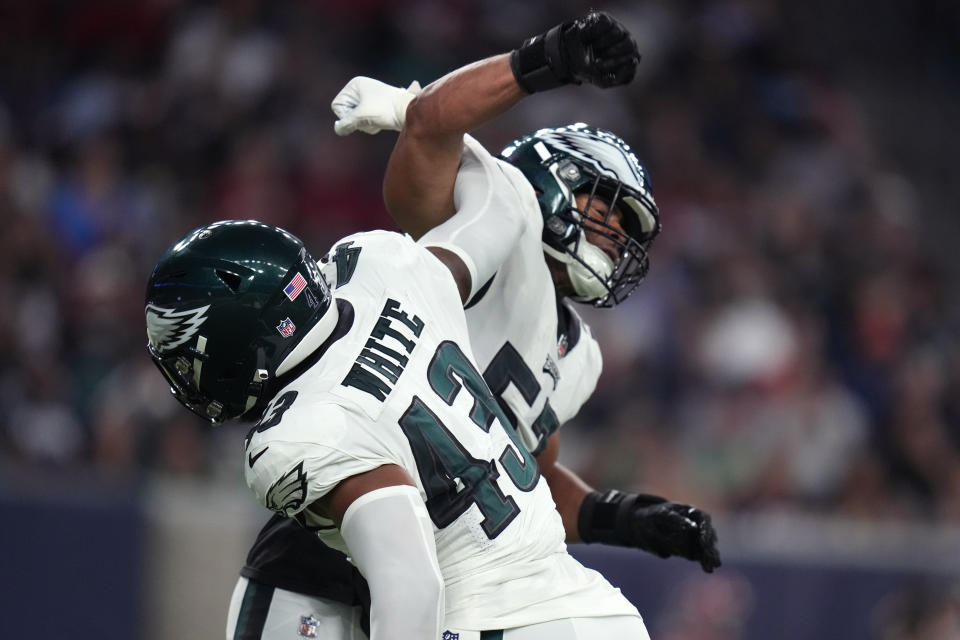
x: 796, y: 344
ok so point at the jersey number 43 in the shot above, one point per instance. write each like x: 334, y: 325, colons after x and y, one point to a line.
x: 452, y: 478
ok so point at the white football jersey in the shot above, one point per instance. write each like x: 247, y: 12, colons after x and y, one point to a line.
x: 399, y: 386
x: 579, y: 362
x: 542, y: 379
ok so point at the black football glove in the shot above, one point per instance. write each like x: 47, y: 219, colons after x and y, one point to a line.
x: 650, y: 523
x: 595, y: 49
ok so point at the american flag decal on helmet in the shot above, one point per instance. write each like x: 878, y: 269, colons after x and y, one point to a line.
x: 296, y: 285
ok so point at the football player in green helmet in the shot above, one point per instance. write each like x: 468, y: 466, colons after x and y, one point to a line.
x: 374, y: 429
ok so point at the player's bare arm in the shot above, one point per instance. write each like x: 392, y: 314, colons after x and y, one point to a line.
x: 418, y: 185
x: 648, y: 522
x: 420, y: 178
x: 569, y: 491
x: 335, y: 504
x: 418, y: 188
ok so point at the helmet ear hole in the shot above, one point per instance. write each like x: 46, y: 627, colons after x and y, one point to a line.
x: 232, y: 280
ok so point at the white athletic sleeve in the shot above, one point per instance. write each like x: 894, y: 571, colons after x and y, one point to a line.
x: 390, y: 538
x: 488, y: 220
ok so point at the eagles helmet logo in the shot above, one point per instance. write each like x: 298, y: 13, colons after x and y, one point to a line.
x: 169, y: 328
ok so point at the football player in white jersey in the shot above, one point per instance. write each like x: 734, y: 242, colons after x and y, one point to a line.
x: 375, y: 429
x: 538, y: 357
x: 589, y: 219
x: 381, y: 434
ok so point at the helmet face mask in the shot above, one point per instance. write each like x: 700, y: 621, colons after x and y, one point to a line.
x: 577, y: 159
x: 179, y: 372
x: 226, y: 308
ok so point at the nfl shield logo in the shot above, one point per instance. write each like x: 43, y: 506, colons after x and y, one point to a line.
x: 286, y: 327
x: 450, y: 635
x: 308, y: 627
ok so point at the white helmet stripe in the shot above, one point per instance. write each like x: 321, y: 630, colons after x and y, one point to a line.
x: 201, y: 347
x: 599, y: 148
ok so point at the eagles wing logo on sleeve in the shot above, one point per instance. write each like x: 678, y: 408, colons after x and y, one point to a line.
x: 169, y: 328
x: 287, y: 494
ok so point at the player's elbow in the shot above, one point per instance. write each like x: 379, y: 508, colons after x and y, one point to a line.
x: 419, y: 124
x: 432, y: 124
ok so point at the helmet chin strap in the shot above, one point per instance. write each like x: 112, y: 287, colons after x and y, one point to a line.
x: 314, y: 338
x: 585, y: 284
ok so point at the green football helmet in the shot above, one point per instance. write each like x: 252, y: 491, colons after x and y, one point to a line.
x: 565, y: 161
x: 229, y: 307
